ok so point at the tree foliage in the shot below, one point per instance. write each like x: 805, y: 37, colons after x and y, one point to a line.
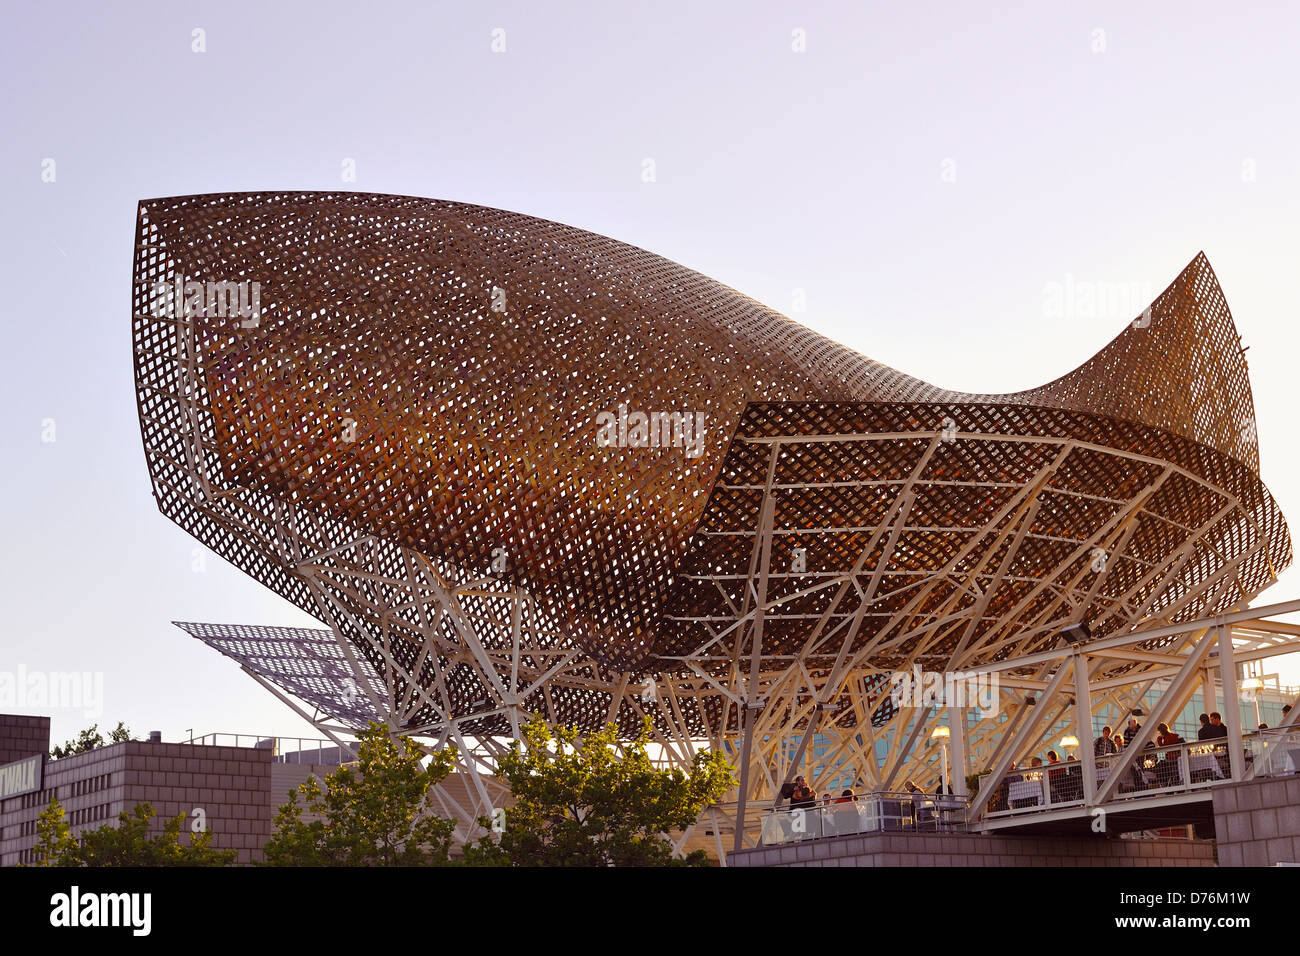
x: 127, y: 844
x: 579, y: 803
x: 54, y: 840
x: 379, y: 814
x: 89, y: 739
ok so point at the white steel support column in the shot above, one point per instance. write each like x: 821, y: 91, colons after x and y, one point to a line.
x: 1231, y: 703
x: 1208, y: 694
x: 753, y: 704
x: 957, y: 738
x: 1083, y: 729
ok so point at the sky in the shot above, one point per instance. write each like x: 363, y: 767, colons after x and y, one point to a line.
x: 917, y: 181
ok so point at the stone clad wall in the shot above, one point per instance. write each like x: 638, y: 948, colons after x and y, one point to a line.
x: 1258, y: 821
x: 22, y: 736
x: 231, y: 784
x: 930, y: 849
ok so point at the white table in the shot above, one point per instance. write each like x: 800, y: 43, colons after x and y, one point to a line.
x: 1205, y: 762
x: 1025, y: 790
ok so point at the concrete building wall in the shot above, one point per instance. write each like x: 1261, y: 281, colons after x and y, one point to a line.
x: 1258, y: 821
x: 933, y: 849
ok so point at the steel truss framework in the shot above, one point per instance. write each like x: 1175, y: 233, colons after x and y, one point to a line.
x: 418, y: 469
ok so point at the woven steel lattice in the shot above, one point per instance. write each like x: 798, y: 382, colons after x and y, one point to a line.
x: 417, y: 386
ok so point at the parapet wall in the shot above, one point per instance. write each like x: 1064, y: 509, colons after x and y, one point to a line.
x: 932, y: 849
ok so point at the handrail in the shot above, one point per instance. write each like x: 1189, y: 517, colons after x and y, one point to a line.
x: 866, y: 813
x: 1174, y: 768
x: 326, y: 752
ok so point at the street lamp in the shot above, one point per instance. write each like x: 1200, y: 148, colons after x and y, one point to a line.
x: 1070, y: 743
x: 1253, y: 685
x: 941, y: 734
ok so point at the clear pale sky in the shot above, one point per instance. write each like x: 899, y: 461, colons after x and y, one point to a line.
x: 923, y: 173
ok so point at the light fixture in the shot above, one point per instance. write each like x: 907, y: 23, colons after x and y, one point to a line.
x: 1077, y: 634
x: 1069, y: 742
x: 940, y: 733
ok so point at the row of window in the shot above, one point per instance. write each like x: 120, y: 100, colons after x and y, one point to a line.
x: 90, y: 785
x: 75, y: 818
x: 88, y: 815
x: 42, y: 798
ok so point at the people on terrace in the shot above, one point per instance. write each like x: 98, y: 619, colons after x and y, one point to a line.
x: 1104, y: 745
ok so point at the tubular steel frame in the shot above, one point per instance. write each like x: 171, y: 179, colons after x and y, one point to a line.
x: 403, y: 442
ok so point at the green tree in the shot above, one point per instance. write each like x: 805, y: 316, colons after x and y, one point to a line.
x: 377, y: 815
x: 55, y: 843
x: 89, y: 739
x: 127, y: 844
x: 578, y: 803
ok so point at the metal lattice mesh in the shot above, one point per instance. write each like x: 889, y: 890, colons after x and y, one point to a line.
x: 305, y: 662
x: 432, y: 374
x: 971, y: 576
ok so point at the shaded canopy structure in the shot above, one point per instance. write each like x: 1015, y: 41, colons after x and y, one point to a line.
x: 516, y: 467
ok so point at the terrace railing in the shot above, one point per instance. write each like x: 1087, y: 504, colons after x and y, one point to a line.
x: 1180, y: 768
x: 866, y: 813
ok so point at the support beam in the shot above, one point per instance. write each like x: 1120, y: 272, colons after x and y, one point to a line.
x: 1164, y: 711
x: 1083, y: 728
x: 1030, y: 725
x: 752, y: 702
x: 957, y: 740
x: 1231, y: 703
x: 813, y: 724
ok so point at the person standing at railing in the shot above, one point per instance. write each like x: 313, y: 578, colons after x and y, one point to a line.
x: 1167, y: 771
x: 1219, y: 731
x: 802, y: 796
x: 1133, y: 729
x: 1166, y: 737
x: 1104, y: 745
x: 1204, y: 733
